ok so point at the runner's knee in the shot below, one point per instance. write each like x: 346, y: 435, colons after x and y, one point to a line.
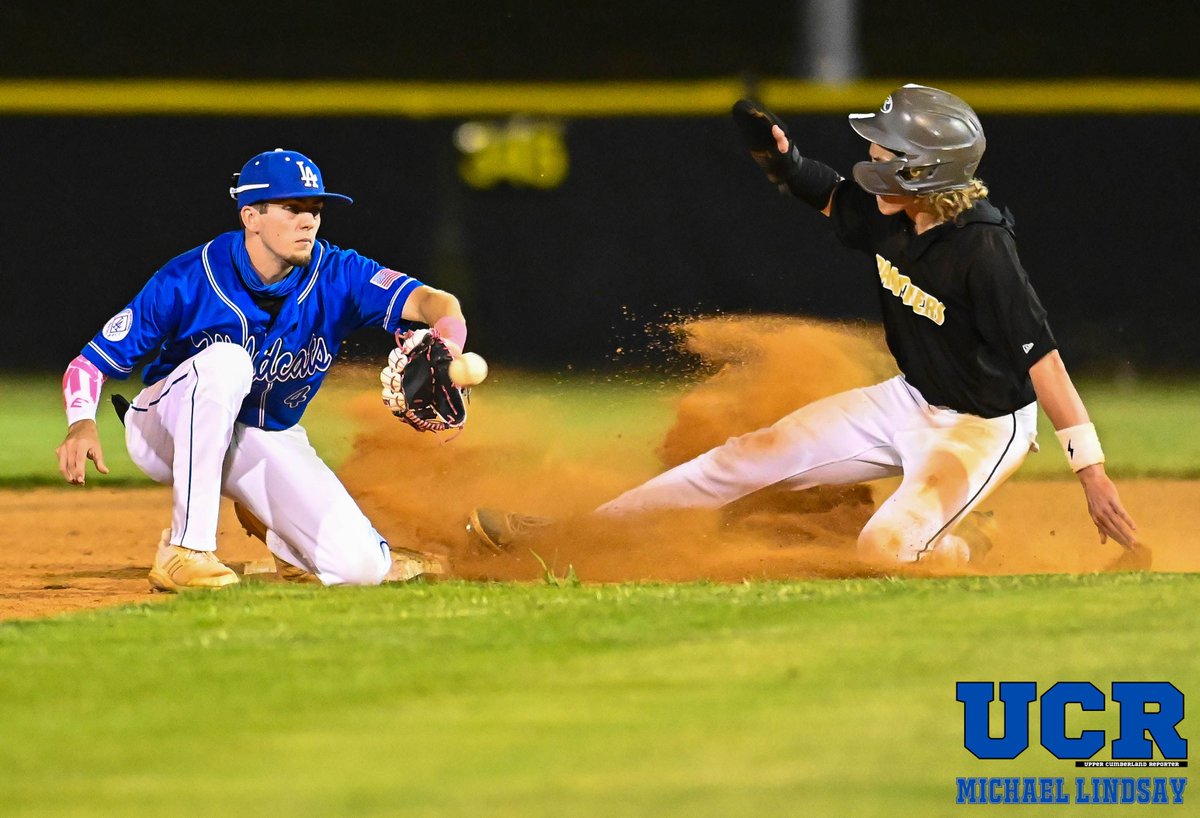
x: 898, y: 537
x: 879, y: 541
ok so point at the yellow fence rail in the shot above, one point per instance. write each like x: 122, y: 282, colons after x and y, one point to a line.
x: 163, y: 97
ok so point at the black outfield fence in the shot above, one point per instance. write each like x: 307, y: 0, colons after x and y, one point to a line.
x: 562, y: 235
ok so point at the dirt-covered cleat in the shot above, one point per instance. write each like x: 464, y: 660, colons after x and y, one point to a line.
x: 257, y: 529
x: 287, y: 572
x: 253, y: 526
x: 181, y: 569
x: 498, y: 530
x: 978, y: 530
x: 408, y: 564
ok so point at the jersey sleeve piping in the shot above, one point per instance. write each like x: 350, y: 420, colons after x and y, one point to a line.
x: 106, y: 364
x: 407, y: 289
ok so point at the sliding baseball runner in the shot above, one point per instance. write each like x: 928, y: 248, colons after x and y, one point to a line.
x: 963, y: 321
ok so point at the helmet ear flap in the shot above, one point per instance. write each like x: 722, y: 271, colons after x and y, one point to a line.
x: 937, y: 137
x: 881, y: 178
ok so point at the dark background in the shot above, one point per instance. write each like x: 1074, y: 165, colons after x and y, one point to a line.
x: 658, y: 216
x: 617, y: 39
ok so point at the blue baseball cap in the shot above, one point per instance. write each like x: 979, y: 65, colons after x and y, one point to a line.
x: 280, y: 174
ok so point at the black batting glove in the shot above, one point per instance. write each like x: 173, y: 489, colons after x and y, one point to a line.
x: 755, y: 121
x: 806, y: 179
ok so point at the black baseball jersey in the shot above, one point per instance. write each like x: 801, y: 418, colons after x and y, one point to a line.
x: 959, y: 313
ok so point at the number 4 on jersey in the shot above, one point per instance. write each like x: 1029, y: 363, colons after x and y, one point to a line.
x: 298, y: 397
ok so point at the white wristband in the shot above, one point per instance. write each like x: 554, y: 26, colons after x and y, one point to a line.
x: 1081, y: 445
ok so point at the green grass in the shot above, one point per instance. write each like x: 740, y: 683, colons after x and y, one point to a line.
x: 1147, y: 430
x: 807, y: 698
x: 32, y: 424
x: 1145, y: 426
x: 586, y: 413
x: 815, y: 698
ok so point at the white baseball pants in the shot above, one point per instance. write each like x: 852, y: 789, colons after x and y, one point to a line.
x: 182, y: 431
x: 950, y: 463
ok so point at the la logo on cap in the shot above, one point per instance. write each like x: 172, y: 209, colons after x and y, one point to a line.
x: 308, y: 176
x: 280, y: 174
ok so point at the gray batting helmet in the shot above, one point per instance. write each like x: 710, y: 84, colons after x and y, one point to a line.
x: 936, y: 137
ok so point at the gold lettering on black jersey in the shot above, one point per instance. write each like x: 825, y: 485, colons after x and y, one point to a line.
x: 912, y: 296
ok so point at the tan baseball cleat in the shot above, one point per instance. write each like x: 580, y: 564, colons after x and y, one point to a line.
x: 181, y: 569
x: 408, y: 564
x: 498, y: 530
x: 253, y: 526
x: 291, y: 573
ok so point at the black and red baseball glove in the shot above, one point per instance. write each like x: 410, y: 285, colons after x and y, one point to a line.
x: 417, y: 386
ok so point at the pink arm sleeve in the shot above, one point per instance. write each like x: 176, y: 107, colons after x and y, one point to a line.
x: 452, y: 330
x: 81, y: 389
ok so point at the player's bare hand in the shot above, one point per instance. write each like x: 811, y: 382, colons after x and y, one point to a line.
x: 1104, y: 505
x: 781, y: 139
x: 81, y: 445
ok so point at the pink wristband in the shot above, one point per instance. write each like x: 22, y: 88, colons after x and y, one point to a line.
x: 81, y: 389
x: 453, y: 330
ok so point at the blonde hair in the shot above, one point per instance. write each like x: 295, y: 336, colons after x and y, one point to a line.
x: 947, y: 205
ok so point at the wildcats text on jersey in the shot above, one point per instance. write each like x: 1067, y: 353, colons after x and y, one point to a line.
x: 901, y: 286
x: 276, y: 364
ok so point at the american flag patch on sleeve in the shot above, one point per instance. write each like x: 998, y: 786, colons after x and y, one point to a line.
x: 385, y: 278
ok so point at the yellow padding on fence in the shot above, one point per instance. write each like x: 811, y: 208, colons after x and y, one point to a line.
x: 604, y: 99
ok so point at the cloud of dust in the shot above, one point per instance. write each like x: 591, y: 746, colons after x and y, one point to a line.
x: 418, y: 488
x: 768, y: 367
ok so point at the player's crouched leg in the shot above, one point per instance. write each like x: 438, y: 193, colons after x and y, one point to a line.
x: 305, y: 514
x: 224, y: 373
x: 166, y: 416
x: 350, y: 551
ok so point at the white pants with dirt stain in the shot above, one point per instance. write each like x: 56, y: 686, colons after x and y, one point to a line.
x: 182, y: 431
x: 950, y: 463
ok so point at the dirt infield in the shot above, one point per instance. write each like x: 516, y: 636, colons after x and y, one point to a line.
x: 52, y: 561
x: 69, y: 549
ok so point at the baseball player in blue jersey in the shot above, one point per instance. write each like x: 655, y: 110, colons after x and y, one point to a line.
x: 243, y: 330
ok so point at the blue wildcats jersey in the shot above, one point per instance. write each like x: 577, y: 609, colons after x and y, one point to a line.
x: 198, y: 299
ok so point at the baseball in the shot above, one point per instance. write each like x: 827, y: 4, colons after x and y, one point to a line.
x: 468, y: 369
